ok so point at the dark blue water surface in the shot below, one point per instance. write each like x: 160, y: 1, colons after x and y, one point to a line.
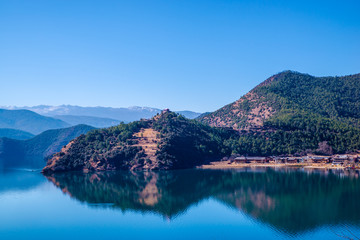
x: 188, y: 204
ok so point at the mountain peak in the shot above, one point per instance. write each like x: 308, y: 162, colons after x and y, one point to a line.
x: 279, y: 76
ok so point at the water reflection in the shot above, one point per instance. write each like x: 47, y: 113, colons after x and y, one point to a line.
x: 19, y: 180
x: 291, y: 201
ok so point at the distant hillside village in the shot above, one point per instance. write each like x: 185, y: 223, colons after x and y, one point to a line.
x: 343, y: 160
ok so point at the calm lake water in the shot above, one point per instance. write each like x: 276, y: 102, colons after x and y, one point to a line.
x: 204, y: 204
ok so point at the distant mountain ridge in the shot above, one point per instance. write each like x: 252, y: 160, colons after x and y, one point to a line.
x: 15, y: 134
x: 121, y: 114
x: 41, y: 118
x: 92, y: 121
x: 29, y: 121
x: 31, y: 153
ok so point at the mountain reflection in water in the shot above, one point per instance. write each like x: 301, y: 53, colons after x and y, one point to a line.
x: 291, y: 201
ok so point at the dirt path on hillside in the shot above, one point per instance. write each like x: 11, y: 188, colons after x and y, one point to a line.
x: 148, y: 139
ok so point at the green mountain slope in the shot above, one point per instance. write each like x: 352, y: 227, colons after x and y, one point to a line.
x: 31, y: 153
x: 292, y: 112
x: 167, y: 141
x: 29, y: 121
x: 15, y: 134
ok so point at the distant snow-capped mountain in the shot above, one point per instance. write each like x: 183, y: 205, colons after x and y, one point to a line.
x: 122, y: 114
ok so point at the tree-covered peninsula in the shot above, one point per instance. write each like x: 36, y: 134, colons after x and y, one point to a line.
x: 167, y: 141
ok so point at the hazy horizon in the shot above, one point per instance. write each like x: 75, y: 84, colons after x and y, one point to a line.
x: 182, y: 55
x: 13, y: 107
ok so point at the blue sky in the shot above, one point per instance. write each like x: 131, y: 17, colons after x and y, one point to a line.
x: 195, y: 55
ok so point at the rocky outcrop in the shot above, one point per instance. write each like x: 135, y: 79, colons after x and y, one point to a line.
x: 247, y: 113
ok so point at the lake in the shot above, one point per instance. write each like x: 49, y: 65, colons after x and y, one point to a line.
x: 261, y: 203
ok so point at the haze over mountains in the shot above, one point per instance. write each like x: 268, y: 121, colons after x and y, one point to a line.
x: 88, y: 120
x: 15, y: 134
x: 29, y: 121
x: 120, y: 114
x: 25, y: 122
x: 32, y: 152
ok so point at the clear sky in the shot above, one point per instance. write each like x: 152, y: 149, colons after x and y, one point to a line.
x: 178, y: 54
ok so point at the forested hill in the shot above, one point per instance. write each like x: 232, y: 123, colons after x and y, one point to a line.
x: 167, y: 141
x: 292, y: 112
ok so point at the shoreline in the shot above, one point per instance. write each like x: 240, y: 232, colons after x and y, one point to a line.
x: 231, y: 165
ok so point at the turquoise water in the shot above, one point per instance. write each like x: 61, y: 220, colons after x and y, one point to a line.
x: 203, y: 204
